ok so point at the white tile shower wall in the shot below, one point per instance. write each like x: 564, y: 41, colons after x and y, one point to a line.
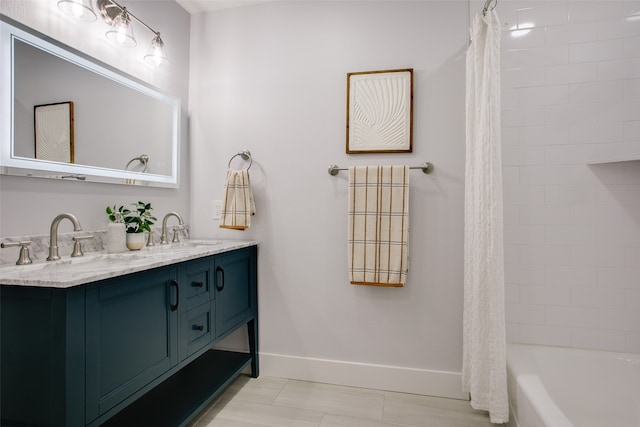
x: 571, y: 88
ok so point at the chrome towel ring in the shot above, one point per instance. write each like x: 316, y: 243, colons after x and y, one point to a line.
x: 245, y: 154
x: 144, y: 159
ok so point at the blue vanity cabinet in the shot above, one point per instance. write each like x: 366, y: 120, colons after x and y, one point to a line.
x: 131, y: 336
x: 131, y: 350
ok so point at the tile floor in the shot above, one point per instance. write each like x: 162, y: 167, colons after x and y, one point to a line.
x: 277, y: 402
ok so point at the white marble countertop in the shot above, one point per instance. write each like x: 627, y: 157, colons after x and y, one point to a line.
x: 94, y: 266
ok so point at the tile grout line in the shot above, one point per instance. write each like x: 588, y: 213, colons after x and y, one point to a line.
x: 284, y: 385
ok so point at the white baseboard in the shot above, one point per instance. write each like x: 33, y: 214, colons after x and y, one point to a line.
x: 377, y: 377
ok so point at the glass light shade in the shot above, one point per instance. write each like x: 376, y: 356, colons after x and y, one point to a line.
x: 78, y: 9
x: 156, y: 55
x: 122, y: 31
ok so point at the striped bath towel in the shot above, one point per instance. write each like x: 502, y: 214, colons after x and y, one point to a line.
x: 378, y: 225
x: 237, y: 204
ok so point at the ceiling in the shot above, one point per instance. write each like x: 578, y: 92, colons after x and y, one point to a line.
x: 199, y: 6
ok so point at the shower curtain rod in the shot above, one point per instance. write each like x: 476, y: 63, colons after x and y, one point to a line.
x: 487, y: 6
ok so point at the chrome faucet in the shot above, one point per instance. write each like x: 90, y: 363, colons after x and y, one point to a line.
x: 176, y: 238
x: 53, y: 234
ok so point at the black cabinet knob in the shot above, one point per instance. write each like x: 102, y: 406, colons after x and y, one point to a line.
x: 198, y: 327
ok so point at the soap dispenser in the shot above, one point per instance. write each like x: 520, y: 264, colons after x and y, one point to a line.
x: 116, y: 235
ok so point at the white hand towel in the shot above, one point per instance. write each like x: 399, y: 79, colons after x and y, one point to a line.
x: 378, y: 225
x: 237, y: 204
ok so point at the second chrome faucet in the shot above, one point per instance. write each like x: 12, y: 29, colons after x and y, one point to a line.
x: 176, y: 238
x: 53, y: 234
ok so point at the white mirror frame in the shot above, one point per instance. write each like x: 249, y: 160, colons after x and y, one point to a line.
x: 10, y: 164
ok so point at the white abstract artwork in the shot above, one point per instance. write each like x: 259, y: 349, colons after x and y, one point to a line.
x: 54, y: 132
x: 380, y: 111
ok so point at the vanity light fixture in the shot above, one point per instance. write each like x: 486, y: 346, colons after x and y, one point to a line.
x: 78, y: 9
x: 122, y: 32
x: 156, y: 55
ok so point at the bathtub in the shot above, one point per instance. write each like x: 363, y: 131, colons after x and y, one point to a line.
x: 565, y: 387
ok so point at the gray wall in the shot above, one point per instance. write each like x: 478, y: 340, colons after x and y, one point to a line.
x: 272, y: 78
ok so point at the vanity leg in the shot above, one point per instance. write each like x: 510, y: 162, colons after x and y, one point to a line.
x: 252, y: 327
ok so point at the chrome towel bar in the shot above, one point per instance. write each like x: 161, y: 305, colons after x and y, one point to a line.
x: 426, y: 167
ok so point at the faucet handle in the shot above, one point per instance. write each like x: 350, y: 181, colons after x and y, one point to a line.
x: 150, y: 241
x: 24, y: 257
x: 77, y: 247
x: 176, y: 234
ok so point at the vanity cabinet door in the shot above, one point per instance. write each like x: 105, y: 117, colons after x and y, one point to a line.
x: 131, y: 336
x: 235, y: 281
x: 42, y: 356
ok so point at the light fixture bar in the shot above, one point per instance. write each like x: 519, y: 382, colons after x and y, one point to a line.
x: 112, y: 12
x: 108, y: 14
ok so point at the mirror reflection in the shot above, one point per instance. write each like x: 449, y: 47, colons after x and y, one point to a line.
x: 116, y: 120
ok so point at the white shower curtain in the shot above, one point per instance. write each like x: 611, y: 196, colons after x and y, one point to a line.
x: 484, y: 344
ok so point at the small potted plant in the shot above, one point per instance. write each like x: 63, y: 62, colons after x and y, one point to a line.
x: 136, y: 221
x: 116, y: 229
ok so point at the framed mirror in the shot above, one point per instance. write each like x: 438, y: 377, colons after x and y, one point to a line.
x: 105, y: 125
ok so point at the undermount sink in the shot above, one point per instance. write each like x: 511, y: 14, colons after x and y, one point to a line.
x: 189, y: 243
x: 180, y: 247
x: 199, y: 243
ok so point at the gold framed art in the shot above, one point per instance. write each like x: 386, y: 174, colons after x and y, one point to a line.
x: 380, y: 111
x: 54, y: 132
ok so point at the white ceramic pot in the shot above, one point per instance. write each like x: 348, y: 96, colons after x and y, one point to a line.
x: 135, y: 241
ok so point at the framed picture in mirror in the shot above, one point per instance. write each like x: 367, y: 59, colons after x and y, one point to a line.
x: 54, y: 132
x: 380, y: 111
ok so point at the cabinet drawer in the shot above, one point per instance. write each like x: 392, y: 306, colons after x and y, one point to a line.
x: 196, y: 283
x: 197, y: 329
